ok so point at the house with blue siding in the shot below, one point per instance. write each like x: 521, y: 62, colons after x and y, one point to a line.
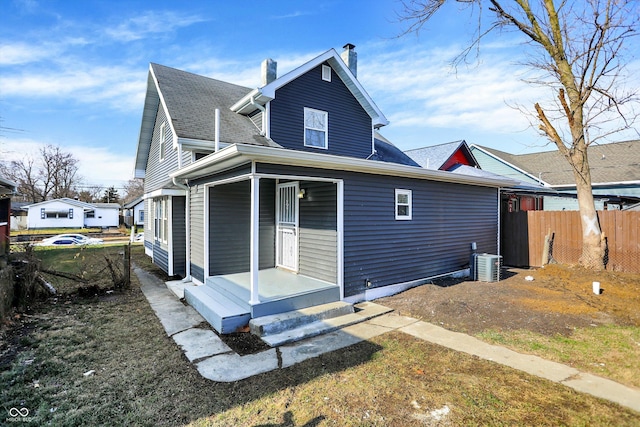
x: 615, y: 175
x: 287, y: 196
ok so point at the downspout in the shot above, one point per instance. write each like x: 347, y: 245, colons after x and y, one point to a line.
x: 217, y: 130
x: 263, y: 131
x: 187, y: 222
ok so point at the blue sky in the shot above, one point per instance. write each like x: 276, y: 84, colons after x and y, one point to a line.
x: 73, y: 72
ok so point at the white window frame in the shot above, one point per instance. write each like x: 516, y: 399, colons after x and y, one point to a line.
x: 409, y: 215
x: 163, y: 136
x: 326, y: 73
x: 325, y: 130
x: 161, y: 219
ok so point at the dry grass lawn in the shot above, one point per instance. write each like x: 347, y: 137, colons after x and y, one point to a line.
x: 141, y: 378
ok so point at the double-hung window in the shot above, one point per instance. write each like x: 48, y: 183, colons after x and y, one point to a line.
x: 316, y: 128
x: 403, y: 204
x: 161, y: 219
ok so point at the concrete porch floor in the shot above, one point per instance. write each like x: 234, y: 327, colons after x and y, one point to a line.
x: 273, y: 284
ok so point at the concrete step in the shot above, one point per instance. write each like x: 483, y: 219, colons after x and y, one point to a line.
x: 276, y: 323
x: 222, y: 313
x: 307, y: 326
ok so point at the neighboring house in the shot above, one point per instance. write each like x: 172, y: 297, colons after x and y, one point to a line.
x: 7, y: 189
x: 70, y: 213
x: 134, y: 213
x: 615, y: 173
x: 103, y: 215
x: 443, y: 157
x: 286, y: 196
x: 18, y: 215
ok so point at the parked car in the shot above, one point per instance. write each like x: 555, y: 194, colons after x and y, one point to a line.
x: 69, y: 239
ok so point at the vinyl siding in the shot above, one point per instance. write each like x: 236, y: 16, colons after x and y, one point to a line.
x: 178, y: 235
x: 161, y: 257
x: 157, y: 172
x: 447, y: 217
x: 196, y: 231
x: 493, y: 165
x: 229, y: 228
x: 350, y: 127
x: 318, y: 236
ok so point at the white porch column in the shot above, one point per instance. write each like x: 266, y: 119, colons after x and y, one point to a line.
x: 255, y: 241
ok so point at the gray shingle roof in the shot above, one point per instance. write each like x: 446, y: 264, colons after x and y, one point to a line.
x: 386, y: 151
x: 192, y: 99
x: 435, y: 156
x: 615, y: 162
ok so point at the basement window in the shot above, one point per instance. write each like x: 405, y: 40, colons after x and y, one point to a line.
x: 326, y: 73
x: 403, y: 204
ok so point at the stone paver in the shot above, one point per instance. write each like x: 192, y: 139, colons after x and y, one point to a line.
x: 199, y: 343
x: 217, y: 362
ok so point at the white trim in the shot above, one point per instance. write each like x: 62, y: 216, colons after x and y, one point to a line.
x: 254, y: 262
x: 148, y: 252
x: 206, y: 242
x: 238, y: 154
x: 268, y: 92
x: 409, y: 204
x: 164, y: 192
x: 499, y: 218
x: 169, y: 237
x: 340, y: 233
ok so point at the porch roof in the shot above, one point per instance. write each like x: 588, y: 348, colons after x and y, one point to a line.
x: 237, y: 154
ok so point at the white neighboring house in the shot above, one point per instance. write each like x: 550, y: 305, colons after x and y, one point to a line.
x: 70, y: 213
x: 103, y: 215
x: 134, y: 213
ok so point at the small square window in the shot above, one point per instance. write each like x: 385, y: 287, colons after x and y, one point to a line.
x: 403, y: 204
x: 326, y: 73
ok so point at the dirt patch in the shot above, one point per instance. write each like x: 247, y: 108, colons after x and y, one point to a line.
x: 557, y: 300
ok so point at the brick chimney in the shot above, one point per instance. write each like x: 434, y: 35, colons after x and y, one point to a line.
x: 350, y: 57
x: 268, y: 71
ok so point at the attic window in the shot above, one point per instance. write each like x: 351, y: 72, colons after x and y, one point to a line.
x: 326, y: 73
x: 163, y: 132
x: 316, y: 123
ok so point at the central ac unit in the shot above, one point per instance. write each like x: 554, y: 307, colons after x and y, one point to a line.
x: 488, y: 267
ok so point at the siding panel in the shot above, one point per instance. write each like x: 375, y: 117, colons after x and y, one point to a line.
x: 157, y: 174
x: 350, y: 127
x: 229, y: 228
x: 196, y: 231
x: 318, y: 236
x: 178, y: 231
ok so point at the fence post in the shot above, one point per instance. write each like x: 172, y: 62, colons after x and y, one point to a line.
x: 127, y: 264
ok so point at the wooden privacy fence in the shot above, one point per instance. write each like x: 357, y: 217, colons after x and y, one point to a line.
x: 523, y: 238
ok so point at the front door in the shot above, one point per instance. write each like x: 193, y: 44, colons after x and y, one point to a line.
x: 287, y: 226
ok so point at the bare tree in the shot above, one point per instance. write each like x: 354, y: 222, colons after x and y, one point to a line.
x: 53, y: 175
x: 134, y: 188
x: 579, y: 47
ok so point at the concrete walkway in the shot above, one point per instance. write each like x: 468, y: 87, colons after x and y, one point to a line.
x: 217, y: 362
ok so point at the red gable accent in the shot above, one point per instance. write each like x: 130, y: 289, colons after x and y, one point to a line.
x: 457, y: 158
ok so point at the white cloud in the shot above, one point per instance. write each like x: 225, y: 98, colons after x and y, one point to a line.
x: 151, y: 23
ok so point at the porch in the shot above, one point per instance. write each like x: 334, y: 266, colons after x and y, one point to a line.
x: 225, y: 301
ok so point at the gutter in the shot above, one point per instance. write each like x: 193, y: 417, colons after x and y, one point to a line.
x: 187, y: 222
x: 237, y: 154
